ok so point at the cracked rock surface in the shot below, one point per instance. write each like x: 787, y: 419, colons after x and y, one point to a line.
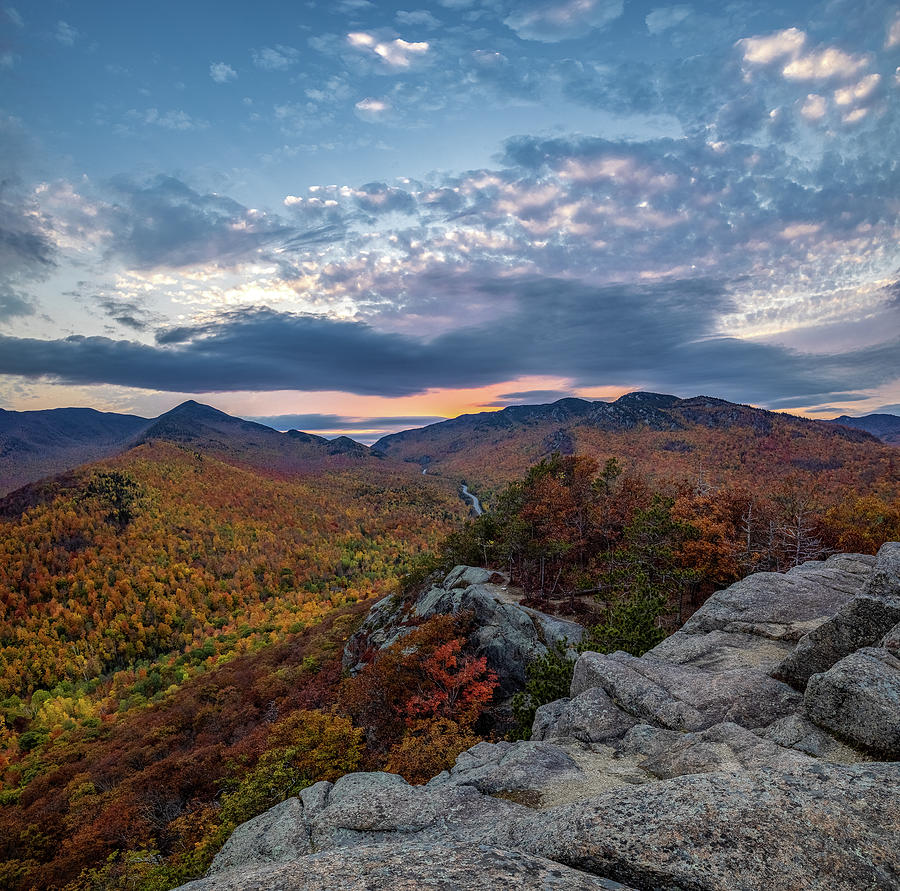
x: 693, y: 768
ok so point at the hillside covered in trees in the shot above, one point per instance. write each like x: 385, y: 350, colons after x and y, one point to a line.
x: 172, y: 619
x: 709, y: 441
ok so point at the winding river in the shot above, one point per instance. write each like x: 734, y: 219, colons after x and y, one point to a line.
x: 476, y: 504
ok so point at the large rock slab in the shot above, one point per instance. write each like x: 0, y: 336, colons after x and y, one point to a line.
x: 861, y: 622
x: 362, y: 808
x: 799, y: 733
x: 689, y: 769
x: 278, y: 835
x: 726, y: 746
x: 684, y: 697
x: 518, y: 767
x: 541, y: 774
x: 409, y: 867
x: 590, y: 717
x: 859, y: 700
x: 366, y: 807
x: 891, y: 640
x: 721, y: 650
x: 818, y: 826
x: 784, y: 606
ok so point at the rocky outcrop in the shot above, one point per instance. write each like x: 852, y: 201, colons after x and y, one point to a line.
x: 690, y: 768
x: 506, y: 633
x: 414, y: 866
x: 817, y: 826
x: 860, y: 622
x: 858, y: 699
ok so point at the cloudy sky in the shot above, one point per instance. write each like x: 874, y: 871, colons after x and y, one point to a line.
x: 361, y: 216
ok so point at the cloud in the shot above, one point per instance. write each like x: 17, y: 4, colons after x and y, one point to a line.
x: 65, y: 33
x: 814, y: 107
x: 660, y: 334
x: 824, y: 64
x: 667, y: 17
x: 857, y: 92
x: 893, y: 34
x: 379, y: 198
x: 174, y: 119
x: 13, y: 305
x: 13, y: 15
x: 787, y: 49
x: 28, y: 251
x: 396, y: 53
x: 318, y: 422
x: 528, y: 397
x: 773, y: 47
x: 222, y: 73
x: 370, y: 109
x: 550, y: 21
x: 275, y: 58
x: 164, y: 223
x: 487, y: 68
x: 418, y: 18
x: 804, y: 401
x: 129, y: 313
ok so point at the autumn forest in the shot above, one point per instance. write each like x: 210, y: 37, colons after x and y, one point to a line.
x: 173, y: 617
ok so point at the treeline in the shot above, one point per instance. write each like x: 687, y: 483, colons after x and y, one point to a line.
x: 572, y: 528
x: 171, y: 629
x: 145, y: 802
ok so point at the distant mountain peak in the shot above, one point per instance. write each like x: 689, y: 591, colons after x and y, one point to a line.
x: 886, y: 427
x: 644, y: 397
x: 193, y: 409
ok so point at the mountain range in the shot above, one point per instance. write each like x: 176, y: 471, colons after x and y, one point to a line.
x: 489, y: 447
x: 660, y: 435
x: 35, y: 444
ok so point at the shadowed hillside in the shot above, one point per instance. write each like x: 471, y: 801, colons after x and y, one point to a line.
x: 34, y: 444
x: 885, y: 427
x: 704, y: 440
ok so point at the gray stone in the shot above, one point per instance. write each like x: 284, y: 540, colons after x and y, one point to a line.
x: 648, y: 741
x: 683, y: 697
x: 276, y: 836
x: 590, y: 717
x: 720, y: 650
x: 521, y: 766
x: 784, y: 606
x: 507, y: 634
x: 824, y: 827
x: 885, y: 581
x: 891, y: 640
x: 315, y: 797
x: 798, y: 732
x: 858, y: 699
x: 373, y: 807
x: 464, y: 576
x: 690, y: 768
x: 861, y: 622
x: 724, y: 746
x: 410, y: 867
x: 541, y: 775
x: 546, y: 717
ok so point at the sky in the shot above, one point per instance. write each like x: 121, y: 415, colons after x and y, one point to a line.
x: 360, y: 217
